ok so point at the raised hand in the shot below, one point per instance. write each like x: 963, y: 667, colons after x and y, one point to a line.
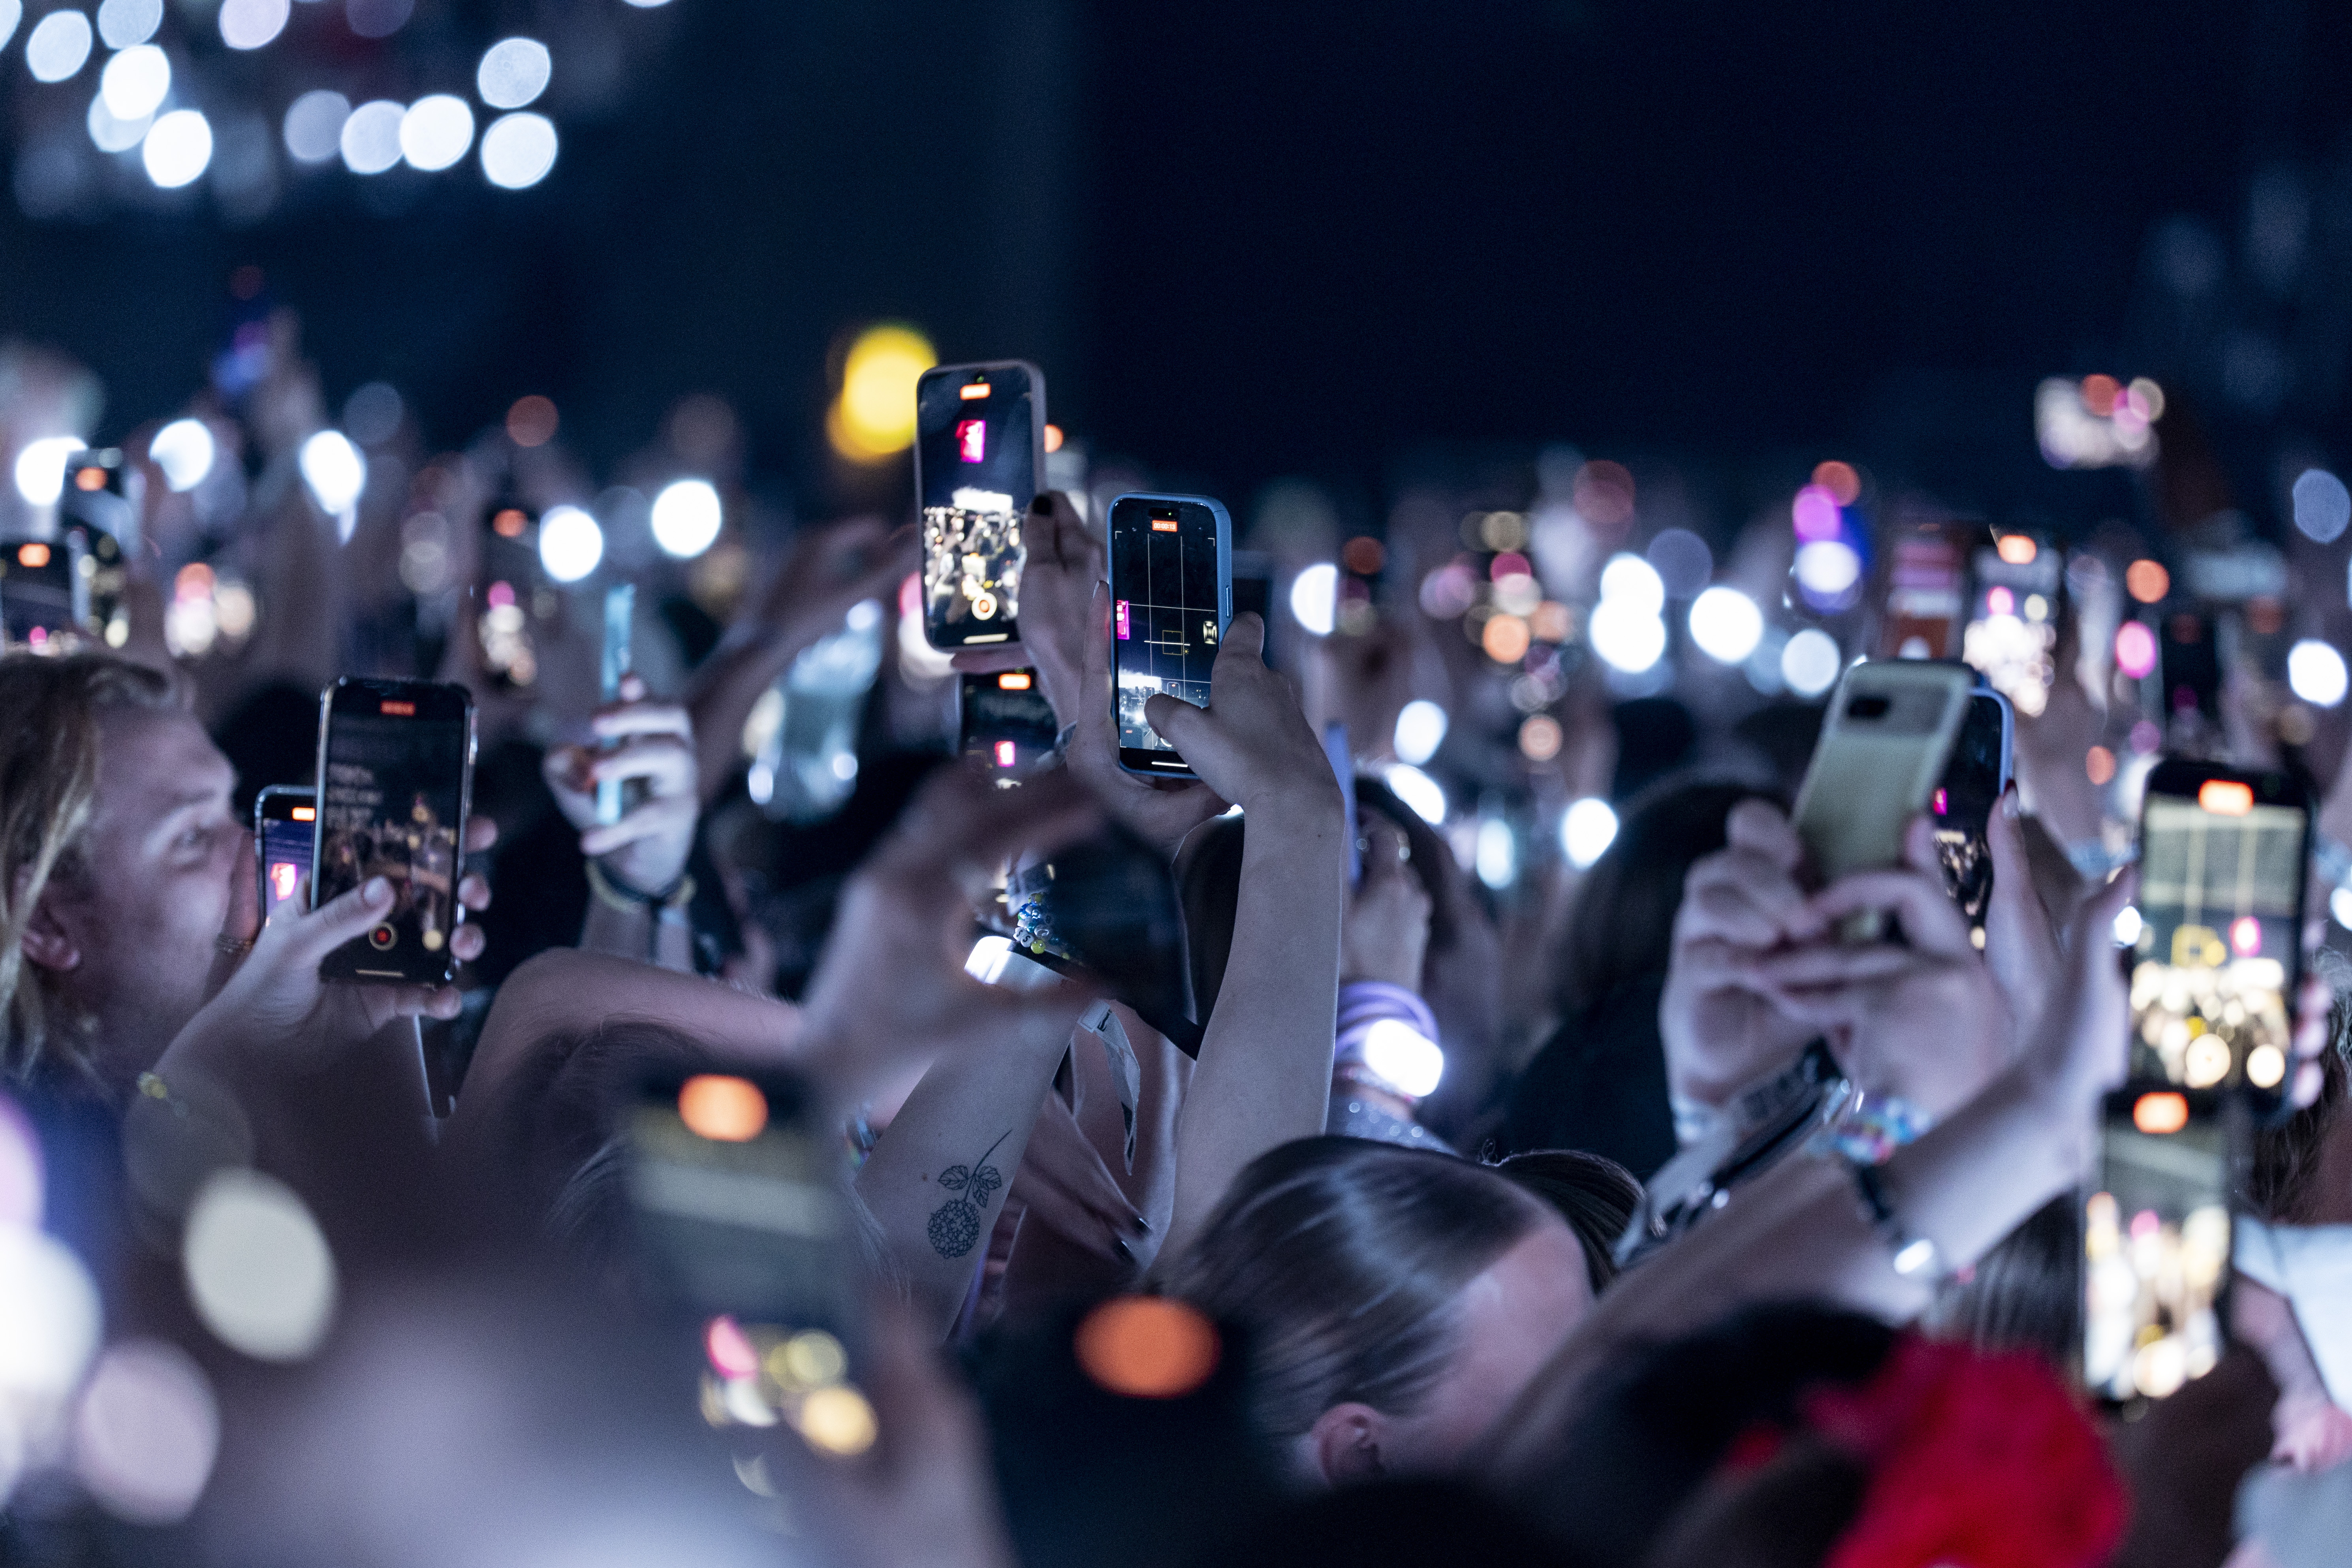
x: 1251, y: 744
x: 1162, y: 810
x: 647, y: 848
x: 1384, y: 934
x: 1056, y: 587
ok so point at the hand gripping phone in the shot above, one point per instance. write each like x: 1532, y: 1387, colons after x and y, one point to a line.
x: 1171, y: 590
x: 980, y: 444
x: 395, y: 783
x: 1885, y: 745
x: 285, y: 835
x: 2155, y: 1242
x: 741, y: 1222
x: 1004, y: 719
x: 2219, y: 954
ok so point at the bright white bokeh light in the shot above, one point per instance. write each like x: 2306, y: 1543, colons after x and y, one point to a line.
x: 249, y: 24
x: 108, y: 135
x: 435, y: 131
x: 1630, y: 581
x: 687, y: 515
x: 21, y: 1179
x: 146, y: 1433
x: 518, y: 150
x: 1315, y: 598
x: 1418, y: 791
x: 184, y: 450
x: 134, y: 82
x: 513, y: 72
x: 41, y: 467
x: 1726, y: 624
x: 648, y: 5
x: 11, y: 13
x: 2316, y: 673
x: 2339, y: 904
x: 1495, y: 854
x: 1587, y: 828
x: 1420, y: 730
x: 1403, y: 1057
x: 334, y: 470
x: 178, y: 149
x: 314, y: 125
x: 1827, y: 568
x: 1810, y: 662
x: 48, y: 1315
x: 369, y: 141
x: 258, y: 1270
x: 570, y: 544
x: 124, y: 24
x: 2323, y: 507
x: 2128, y: 925
x: 1626, y: 636
x: 58, y: 45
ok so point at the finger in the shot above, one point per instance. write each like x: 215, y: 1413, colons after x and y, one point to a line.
x: 1833, y: 963
x: 1721, y: 912
x: 468, y: 943
x: 1743, y: 886
x: 344, y: 917
x: 481, y: 833
x: 1244, y: 639
x: 1177, y: 722
x: 418, y: 1002
x: 241, y: 925
x: 663, y: 761
x: 565, y: 768
x: 643, y: 718
x: 474, y: 891
x: 651, y: 820
x: 1760, y: 828
x: 632, y: 687
x: 1930, y: 920
x: 960, y: 815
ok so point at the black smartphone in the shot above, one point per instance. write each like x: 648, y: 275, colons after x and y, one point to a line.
x: 1171, y: 590
x: 613, y: 795
x: 101, y: 493
x: 43, y: 595
x: 1964, y: 798
x: 1106, y: 908
x: 2218, y: 953
x: 285, y: 835
x: 2190, y: 650
x: 2155, y: 1244
x: 395, y: 782
x: 2015, y: 580
x: 1004, y: 718
x: 508, y: 597
x: 1924, y: 596
x: 741, y: 1224
x: 1254, y: 574
x: 979, y: 449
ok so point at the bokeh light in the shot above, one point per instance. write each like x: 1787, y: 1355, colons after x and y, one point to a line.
x: 1315, y: 598
x: 1810, y: 662
x: 41, y: 467
x: 250, y: 23
x: 124, y: 23
x: 2099, y: 765
x: 1840, y: 479
x: 178, y: 149
x: 11, y: 13
x: 258, y: 1270
x: 519, y: 149
x: 371, y: 136
x: 2316, y: 672
x: 57, y: 46
x: 20, y: 1167
x: 532, y: 421
x: 372, y: 413
x: 133, y: 83
x: 571, y: 544
x: 686, y: 518
x: 1424, y: 795
x: 838, y: 1420
x: 1505, y: 638
x: 2135, y: 649
x: 108, y: 135
x: 1147, y: 1347
x: 1539, y: 737
x: 873, y: 418
x: 146, y: 1432
x: 1587, y: 829
x: 334, y: 470
x: 722, y: 1108
x: 2323, y: 507
x: 1827, y: 569
x: 1626, y: 636
x: 1726, y: 624
x: 1681, y: 560
x: 1404, y: 1058
x: 2146, y: 581
x: 313, y: 127
x: 1630, y: 581
x: 435, y: 131
x: 184, y: 450
x: 1814, y: 514
x: 1420, y: 730
x: 49, y: 1316
x: 513, y: 72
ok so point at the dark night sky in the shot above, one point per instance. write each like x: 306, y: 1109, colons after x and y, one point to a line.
x: 1246, y: 240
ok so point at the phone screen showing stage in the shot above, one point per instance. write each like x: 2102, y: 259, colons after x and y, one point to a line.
x: 2156, y: 1246
x: 1164, y: 602
x: 392, y: 803
x: 289, y: 833
x: 976, y: 464
x: 2214, y: 964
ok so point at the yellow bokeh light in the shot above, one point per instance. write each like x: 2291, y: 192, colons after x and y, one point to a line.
x: 873, y: 418
x: 837, y: 1420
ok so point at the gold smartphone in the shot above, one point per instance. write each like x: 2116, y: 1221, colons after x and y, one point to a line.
x: 1884, y: 745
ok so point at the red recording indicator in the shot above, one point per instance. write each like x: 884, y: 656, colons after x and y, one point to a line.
x: 398, y: 709
x: 1013, y: 680
x: 975, y: 390
x: 1163, y: 525
x: 1004, y: 753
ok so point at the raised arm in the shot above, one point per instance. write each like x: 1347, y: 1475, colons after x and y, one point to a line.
x: 637, y: 865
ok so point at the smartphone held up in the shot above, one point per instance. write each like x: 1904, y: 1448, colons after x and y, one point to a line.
x: 396, y: 772
x: 1171, y: 590
x: 980, y: 432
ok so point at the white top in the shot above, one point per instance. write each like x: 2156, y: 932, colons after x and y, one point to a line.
x: 2311, y: 1265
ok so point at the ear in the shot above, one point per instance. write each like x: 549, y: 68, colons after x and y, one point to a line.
x: 1345, y: 1444
x: 46, y: 943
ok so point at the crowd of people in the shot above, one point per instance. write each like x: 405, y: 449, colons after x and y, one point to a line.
x: 966, y: 1259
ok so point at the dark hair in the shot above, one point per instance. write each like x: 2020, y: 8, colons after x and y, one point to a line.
x: 1594, y: 1193
x: 2025, y: 1293
x: 2282, y: 1181
x: 1342, y: 1261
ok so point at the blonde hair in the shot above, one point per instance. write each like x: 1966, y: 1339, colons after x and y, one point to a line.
x: 48, y: 785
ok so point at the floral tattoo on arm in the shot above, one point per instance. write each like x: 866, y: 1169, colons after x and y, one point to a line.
x: 955, y: 1224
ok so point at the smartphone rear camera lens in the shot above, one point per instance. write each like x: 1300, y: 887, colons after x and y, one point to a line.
x: 1867, y: 707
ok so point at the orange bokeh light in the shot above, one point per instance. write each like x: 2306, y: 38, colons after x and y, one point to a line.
x: 2017, y: 548
x: 1505, y: 639
x: 1539, y: 737
x: 33, y: 554
x: 2146, y: 581
x: 2100, y: 393
x: 1363, y: 555
x: 2099, y: 765
x: 2161, y: 1113
x: 1148, y: 1347
x: 1840, y: 479
x: 2226, y: 797
x: 1053, y: 437
x: 722, y: 1109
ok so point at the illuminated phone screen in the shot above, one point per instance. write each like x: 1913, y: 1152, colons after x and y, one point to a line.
x: 290, y: 827
x: 2013, y: 622
x: 392, y: 804
x: 1164, y: 610
x: 1007, y: 722
x: 2216, y: 960
x: 2156, y: 1246
x: 976, y: 445
x: 1963, y: 804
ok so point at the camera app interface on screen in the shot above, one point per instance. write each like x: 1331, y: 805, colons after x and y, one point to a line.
x: 979, y: 449
x: 1007, y: 719
x: 2156, y: 1249
x: 285, y: 844
x: 390, y: 809
x: 2210, y: 970
x: 1163, y: 611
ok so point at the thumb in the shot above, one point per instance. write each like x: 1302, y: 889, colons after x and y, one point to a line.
x: 1176, y: 719
x: 341, y: 919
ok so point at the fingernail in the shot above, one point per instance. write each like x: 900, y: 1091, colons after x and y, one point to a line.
x: 1142, y: 1226
x: 2009, y: 805
x: 376, y: 891
x: 1121, y: 1248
